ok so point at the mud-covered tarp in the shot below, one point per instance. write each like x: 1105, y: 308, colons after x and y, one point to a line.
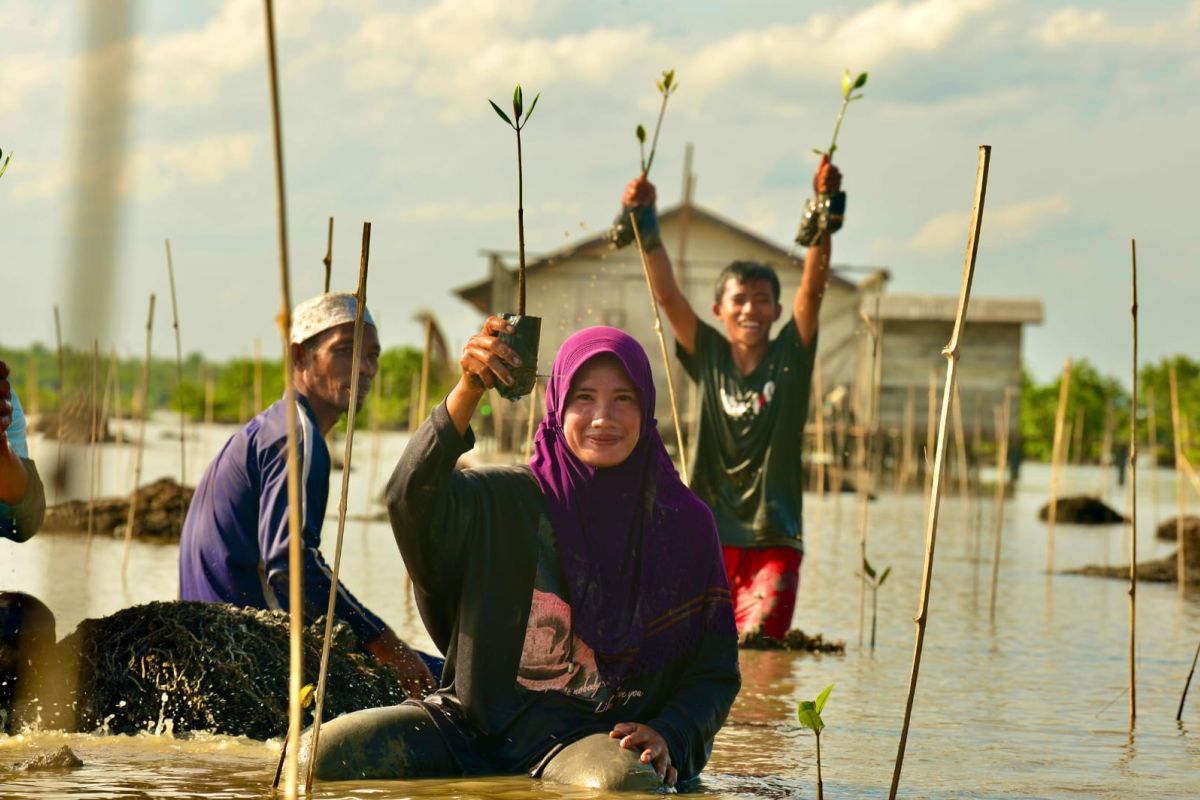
x: 185, y: 666
x: 161, y: 506
x: 794, y: 639
x: 1163, y: 570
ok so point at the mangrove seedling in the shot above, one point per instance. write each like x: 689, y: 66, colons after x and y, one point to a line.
x: 666, y: 87
x: 825, y: 213
x: 809, y: 713
x: 621, y: 233
x: 875, y: 581
x: 848, y: 96
x: 526, y: 330
x: 4, y: 160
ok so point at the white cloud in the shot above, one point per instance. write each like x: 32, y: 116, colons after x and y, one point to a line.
x: 865, y: 40
x: 1075, y: 26
x: 1004, y: 225
x: 156, y: 168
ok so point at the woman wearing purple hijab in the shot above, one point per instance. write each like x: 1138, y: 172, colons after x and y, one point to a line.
x: 580, y: 600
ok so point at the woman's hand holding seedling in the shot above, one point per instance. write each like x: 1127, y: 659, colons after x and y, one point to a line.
x: 486, y: 361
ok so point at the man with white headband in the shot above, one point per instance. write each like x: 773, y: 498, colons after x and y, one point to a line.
x: 234, y: 546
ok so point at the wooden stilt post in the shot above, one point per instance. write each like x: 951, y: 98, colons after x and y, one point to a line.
x: 179, y: 369
x: 328, y: 259
x: 951, y: 353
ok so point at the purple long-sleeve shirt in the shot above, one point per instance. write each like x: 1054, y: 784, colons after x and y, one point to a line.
x: 234, y: 547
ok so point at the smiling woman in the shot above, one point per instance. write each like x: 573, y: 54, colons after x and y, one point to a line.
x: 580, y: 600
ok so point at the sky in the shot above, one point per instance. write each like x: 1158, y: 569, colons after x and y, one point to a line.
x: 1090, y: 108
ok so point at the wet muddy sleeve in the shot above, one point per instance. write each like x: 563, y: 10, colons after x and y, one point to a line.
x: 435, y: 511
x: 699, y: 704
x: 21, y: 521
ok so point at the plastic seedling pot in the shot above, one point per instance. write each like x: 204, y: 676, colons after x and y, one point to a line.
x: 527, y: 332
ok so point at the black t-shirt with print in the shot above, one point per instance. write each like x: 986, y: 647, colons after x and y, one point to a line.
x: 745, y: 463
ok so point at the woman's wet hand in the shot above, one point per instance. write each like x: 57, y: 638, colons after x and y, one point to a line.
x: 636, y: 736
x: 486, y: 359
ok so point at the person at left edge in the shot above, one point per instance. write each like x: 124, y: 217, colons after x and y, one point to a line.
x: 234, y: 545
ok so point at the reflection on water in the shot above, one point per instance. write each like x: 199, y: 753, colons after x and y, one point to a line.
x: 1034, y: 705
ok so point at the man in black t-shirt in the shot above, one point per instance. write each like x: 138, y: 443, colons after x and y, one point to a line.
x: 754, y: 394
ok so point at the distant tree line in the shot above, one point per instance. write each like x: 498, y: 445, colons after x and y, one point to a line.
x: 1091, y: 395
x: 36, y: 380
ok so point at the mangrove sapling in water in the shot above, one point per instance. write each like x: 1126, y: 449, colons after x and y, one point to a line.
x: 875, y: 581
x: 824, y: 213
x: 526, y: 330
x: 622, y: 232
x: 809, y: 713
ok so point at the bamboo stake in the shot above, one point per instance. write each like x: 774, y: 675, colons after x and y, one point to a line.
x: 33, y: 388
x: 1064, y: 390
x: 426, y: 356
x: 179, y: 369
x: 295, y: 566
x: 62, y: 398
x: 1003, y: 415
x: 119, y: 414
x: 1133, y: 497
x: 906, y: 463
x: 328, y: 259
x: 662, y: 344
x: 141, y: 443
x: 1152, y: 422
x: 360, y: 304
x: 532, y: 416
x: 951, y: 354
x: 1180, y: 497
x: 414, y: 408
x: 1077, y: 445
x: 974, y: 466
x: 1186, y: 684
x: 108, y: 384
x: 92, y: 451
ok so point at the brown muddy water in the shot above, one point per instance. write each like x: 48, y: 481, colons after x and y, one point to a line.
x: 1034, y: 706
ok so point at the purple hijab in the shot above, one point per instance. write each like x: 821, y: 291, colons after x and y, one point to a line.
x: 639, y: 550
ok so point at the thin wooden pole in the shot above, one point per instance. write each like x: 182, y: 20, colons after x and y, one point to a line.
x: 109, y: 381
x: 930, y: 437
x: 951, y: 354
x: 662, y: 345
x: 360, y: 304
x: 1133, y: 497
x: 1180, y: 497
x: 141, y: 443
x: 1152, y: 420
x: 62, y: 400
x: 426, y: 357
x: 119, y: 414
x: 179, y: 370
x: 1003, y: 415
x: 1187, y: 684
x: 1064, y: 391
x: 414, y: 406
x: 328, y: 259
x: 295, y: 565
x: 92, y: 451
x: 866, y: 440
x: 1077, y: 445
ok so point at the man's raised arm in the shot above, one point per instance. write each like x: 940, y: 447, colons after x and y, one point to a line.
x: 640, y: 197
x: 806, y: 307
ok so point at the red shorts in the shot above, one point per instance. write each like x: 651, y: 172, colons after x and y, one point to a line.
x: 763, y: 581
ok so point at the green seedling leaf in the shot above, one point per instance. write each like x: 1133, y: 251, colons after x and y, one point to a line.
x: 868, y: 569
x: 822, y: 697
x: 809, y: 716
x: 884, y: 576
x: 641, y: 134
x: 532, y: 106
x: 503, y: 116
x: 860, y: 81
x: 668, y: 78
x: 517, y: 105
x: 846, y: 84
